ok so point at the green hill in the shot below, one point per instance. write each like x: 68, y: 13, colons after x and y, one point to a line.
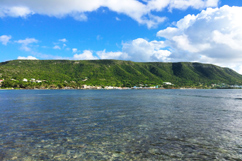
x: 114, y: 72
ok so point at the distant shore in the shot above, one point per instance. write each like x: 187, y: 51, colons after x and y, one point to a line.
x: 109, y: 89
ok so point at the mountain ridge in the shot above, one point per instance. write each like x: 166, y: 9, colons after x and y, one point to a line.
x: 117, y: 72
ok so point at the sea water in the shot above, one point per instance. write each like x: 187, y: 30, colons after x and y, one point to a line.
x: 120, y: 125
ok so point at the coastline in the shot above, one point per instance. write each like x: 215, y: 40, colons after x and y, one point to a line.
x: 115, y: 89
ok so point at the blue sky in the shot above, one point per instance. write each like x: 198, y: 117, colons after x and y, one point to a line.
x: 207, y: 31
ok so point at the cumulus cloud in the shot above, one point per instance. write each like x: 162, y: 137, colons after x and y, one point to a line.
x: 141, y: 12
x: 86, y: 55
x: 142, y: 50
x: 25, y: 44
x: 112, y: 55
x: 139, y: 50
x: 79, y: 16
x: 74, y: 50
x: 196, y: 4
x: 27, y: 58
x: 212, y: 36
x: 159, y: 5
x: 14, y: 11
x: 4, y: 39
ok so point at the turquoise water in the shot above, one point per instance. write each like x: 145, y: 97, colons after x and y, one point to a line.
x: 120, y: 124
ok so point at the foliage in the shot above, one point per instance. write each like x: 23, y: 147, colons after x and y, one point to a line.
x: 61, y: 73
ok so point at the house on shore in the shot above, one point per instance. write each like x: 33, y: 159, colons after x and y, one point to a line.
x: 25, y: 80
x: 167, y: 83
x: 108, y: 87
x: 90, y: 87
x: 32, y: 80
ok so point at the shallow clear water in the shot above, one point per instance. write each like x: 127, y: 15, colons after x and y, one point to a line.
x: 121, y: 124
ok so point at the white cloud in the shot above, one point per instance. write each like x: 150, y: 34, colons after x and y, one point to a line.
x: 56, y: 47
x: 141, y: 12
x: 60, y: 44
x: 112, y: 55
x: 4, y: 39
x: 26, y: 42
x: 74, y: 50
x: 196, y: 4
x: 184, y: 44
x: 158, y: 5
x: 27, y: 58
x: 86, y: 55
x: 143, y: 51
x: 212, y: 36
x: 15, y: 11
x: 63, y: 40
x: 79, y: 16
x: 232, y: 39
x: 118, y: 19
x: 139, y: 50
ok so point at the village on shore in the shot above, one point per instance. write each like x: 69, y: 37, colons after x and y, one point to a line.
x: 84, y: 86
x: 41, y: 84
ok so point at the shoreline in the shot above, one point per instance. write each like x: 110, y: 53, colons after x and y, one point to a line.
x: 122, y: 89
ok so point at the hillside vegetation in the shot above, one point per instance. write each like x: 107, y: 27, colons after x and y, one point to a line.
x: 114, y: 73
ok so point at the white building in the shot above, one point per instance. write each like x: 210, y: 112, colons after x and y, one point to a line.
x: 108, y: 87
x: 32, y: 80
x: 167, y: 83
x: 25, y: 80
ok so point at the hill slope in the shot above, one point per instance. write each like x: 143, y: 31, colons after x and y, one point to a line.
x: 117, y: 72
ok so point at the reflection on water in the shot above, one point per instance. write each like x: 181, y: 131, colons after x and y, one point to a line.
x: 121, y: 125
